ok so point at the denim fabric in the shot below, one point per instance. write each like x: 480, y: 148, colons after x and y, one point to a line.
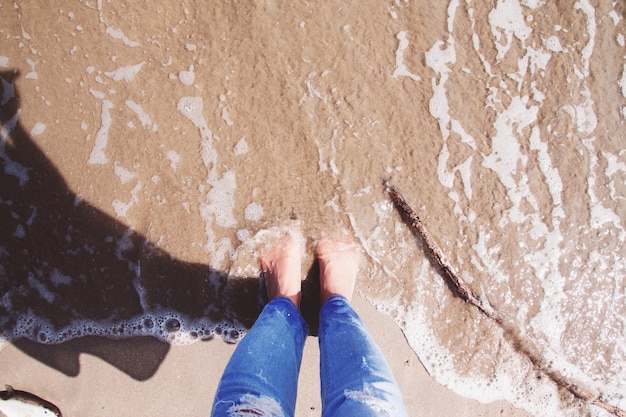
x: 261, y: 378
x: 355, y: 377
x: 262, y: 375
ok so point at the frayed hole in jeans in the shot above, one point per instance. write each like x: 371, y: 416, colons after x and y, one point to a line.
x: 368, y: 398
x: 253, y: 405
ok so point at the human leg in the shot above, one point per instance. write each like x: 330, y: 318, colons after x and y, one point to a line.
x: 261, y: 377
x: 355, y: 377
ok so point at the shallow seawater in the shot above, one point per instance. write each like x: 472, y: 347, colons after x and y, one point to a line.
x: 142, y: 149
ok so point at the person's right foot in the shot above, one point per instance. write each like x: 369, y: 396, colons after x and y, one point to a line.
x: 281, y: 265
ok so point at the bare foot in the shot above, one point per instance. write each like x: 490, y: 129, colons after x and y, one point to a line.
x: 339, y: 264
x: 281, y: 265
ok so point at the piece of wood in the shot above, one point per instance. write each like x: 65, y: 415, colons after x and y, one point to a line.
x: 463, y: 290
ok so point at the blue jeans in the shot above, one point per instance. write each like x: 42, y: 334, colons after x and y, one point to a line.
x: 262, y: 375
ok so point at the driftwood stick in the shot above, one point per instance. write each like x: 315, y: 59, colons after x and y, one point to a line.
x: 524, y: 345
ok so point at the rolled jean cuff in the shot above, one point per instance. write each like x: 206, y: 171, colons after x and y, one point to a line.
x: 334, y: 299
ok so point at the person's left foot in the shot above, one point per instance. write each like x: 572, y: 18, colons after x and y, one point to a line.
x: 339, y: 259
x: 282, y: 267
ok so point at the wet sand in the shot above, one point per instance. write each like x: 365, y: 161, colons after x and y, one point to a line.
x: 142, y: 148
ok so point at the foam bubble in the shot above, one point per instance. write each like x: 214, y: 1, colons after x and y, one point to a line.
x: 164, y: 325
x: 253, y: 212
x: 58, y: 278
x: 226, y: 117
x: 191, y: 108
x: 19, y: 232
x: 243, y: 235
x: 187, y: 77
x: 241, y: 147
x: 222, y: 200
x: 553, y: 44
x: 174, y: 158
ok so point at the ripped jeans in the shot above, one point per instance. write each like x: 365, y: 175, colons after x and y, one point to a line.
x: 262, y: 375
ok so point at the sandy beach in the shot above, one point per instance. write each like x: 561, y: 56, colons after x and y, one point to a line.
x: 143, y: 147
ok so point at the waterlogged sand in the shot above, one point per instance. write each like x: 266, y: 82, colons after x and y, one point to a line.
x: 144, y: 146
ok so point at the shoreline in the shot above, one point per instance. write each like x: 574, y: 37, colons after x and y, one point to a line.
x: 185, y: 377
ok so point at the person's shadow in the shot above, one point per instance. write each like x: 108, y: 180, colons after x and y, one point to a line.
x: 64, y: 262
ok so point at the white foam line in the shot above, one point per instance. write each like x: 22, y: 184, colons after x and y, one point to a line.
x: 583, y: 114
x: 119, y: 35
x: 465, y: 137
x: 401, y: 69
x: 191, y: 108
x: 551, y: 174
x: 454, y: 4
x: 599, y: 214
x: 144, y: 118
x: 124, y: 244
x: 507, y: 20
x: 622, y: 82
x: 587, y: 51
x: 586, y: 122
x: 506, y: 154
x: 312, y: 91
x: 331, y: 162
x: 613, y: 166
x: 323, y: 166
x: 97, y: 155
x: 438, y: 58
x: 488, y: 257
x: 220, y: 202
x: 123, y: 174
x: 126, y: 73
x: 121, y: 208
x: 476, y: 44
x: 41, y: 288
x: 141, y: 292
